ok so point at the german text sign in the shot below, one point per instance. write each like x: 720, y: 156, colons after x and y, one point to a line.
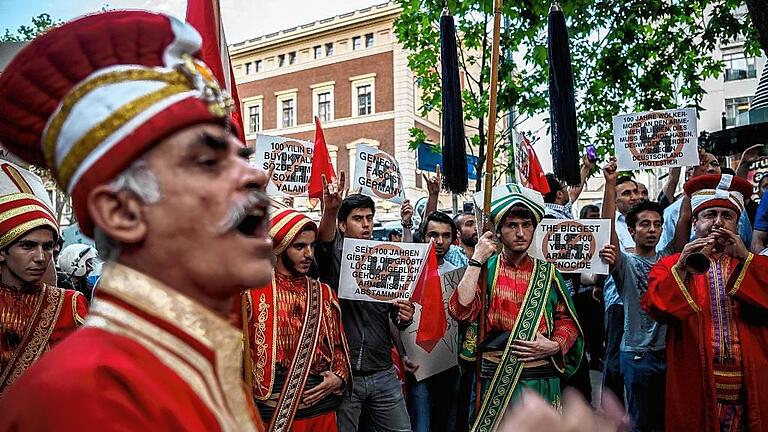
x: 573, y: 246
x: 380, y: 271
x: 377, y: 175
x: 292, y: 159
x: 656, y: 139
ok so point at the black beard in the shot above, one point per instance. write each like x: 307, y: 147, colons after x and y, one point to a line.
x: 290, y: 265
x: 471, y: 241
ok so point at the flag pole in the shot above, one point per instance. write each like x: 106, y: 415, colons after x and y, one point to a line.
x: 489, y: 154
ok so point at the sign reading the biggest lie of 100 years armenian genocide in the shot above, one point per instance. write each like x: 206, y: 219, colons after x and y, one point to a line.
x: 656, y: 139
x: 573, y: 246
x: 377, y: 174
x: 292, y: 160
x: 380, y: 271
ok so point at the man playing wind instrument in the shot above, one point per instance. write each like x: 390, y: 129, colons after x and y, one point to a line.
x: 532, y: 335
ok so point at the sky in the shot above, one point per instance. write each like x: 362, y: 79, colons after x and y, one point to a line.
x: 243, y: 19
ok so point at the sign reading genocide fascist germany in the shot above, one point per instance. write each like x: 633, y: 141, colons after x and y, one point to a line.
x: 656, y: 139
x: 573, y: 246
x: 292, y: 159
x: 380, y: 271
x: 377, y: 175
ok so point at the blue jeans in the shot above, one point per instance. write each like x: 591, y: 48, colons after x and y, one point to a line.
x: 645, y: 379
x: 433, y: 402
x: 380, y: 396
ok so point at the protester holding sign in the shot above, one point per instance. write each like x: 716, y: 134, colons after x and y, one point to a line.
x: 533, y: 337
x: 376, y: 390
x: 642, y: 358
x: 294, y: 335
x: 377, y: 174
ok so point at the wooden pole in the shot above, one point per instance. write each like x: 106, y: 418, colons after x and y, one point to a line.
x: 489, y: 153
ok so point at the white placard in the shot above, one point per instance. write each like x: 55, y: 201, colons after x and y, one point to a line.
x: 445, y: 354
x: 293, y: 164
x: 656, y: 139
x: 380, y: 271
x: 377, y: 175
x: 573, y: 246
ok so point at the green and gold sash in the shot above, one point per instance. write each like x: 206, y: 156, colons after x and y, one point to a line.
x: 497, y: 397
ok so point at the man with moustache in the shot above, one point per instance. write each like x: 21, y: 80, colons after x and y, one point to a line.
x: 137, y: 131
x: 716, y: 332
x: 466, y: 231
x: 376, y: 393
x: 532, y: 335
x: 299, y: 362
x: 34, y: 316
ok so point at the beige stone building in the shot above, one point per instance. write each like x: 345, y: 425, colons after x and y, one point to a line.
x: 349, y: 71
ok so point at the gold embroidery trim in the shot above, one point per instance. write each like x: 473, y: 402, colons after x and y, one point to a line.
x: 727, y: 373
x: 19, y: 196
x: 727, y: 386
x: 29, y: 352
x: 96, y: 135
x: 79, y: 320
x: 14, y: 233
x: 51, y: 134
x: 742, y: 274
x: 684, y: 290
x: 17, y: 179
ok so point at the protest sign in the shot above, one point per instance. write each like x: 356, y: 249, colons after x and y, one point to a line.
x: 377, y: 175
x: 573, y: 246
x: 757, y: 170
x: 292, y: 159
x: 445, y: 354
x: 380, y: 271
x: 656, y: 139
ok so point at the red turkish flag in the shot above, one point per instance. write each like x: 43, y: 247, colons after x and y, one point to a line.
x: 321, y: 164
x: 205, y: 17
x: 429, y: 294
x: 527, y: 166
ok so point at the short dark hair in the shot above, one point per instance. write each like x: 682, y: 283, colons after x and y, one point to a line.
x: 459, y: 215
x: 588, y: 208
x: 624, y: 179
x: 555, y: 185
x: 439, y: 217
x: 393, y: 233
x: 641, y: 207
x: 354, y: 201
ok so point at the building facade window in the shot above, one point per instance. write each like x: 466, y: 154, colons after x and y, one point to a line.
x: 254, y: 118
x: 357, y: 43
x: 736, y: 111
x: 318, y: 50
x: 248, y: 68
x: 288, y: 106
x: 281, y: 60
x: 257, y: 66
x: 324, y: 106
x: 364, y: 99
x: 329, y: 49
x: 322, y: 101
x: 739, y: 67
x: 369, y: 40
x: 292, y: 57
x: 363, y: 94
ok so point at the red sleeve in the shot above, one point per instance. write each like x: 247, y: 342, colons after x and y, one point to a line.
x: 668, y: 296
x: 748, y: 283
x: 565, y: 331
x: 463, y: 313
x: 336, y: 335
x: 79, y: 308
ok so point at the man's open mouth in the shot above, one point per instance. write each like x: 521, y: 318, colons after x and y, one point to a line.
x: 254, y: 222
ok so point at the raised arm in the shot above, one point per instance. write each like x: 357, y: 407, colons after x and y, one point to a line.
x: 464, y: 304
x: 586, y: 167
x: 671, y: 185
x: 333, y: 194
x: 609, y: 202
x: 433, y: 183
x: 683, y: 227
x: 406, y: 220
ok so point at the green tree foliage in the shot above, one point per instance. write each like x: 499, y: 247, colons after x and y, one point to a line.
x: 632, y: 55
x: 40, y: 24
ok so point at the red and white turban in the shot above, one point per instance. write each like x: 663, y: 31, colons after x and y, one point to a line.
x: 90, y: 97
x: 285, y: 224
x: 717, y: 191
x: 24, y: 204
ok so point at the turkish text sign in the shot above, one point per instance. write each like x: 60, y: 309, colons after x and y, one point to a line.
x: 292, y: 160
x: 377, y: 175
x: 380, y: 271
x: 573, y: 246
x: 656, y: 139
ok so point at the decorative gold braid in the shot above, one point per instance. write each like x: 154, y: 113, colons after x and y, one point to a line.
x: 684, y: 290
x: 17, y: 179
x: 19, y: 196
x: 51, y: 133
x: 742, y: 273
x: 14, y: 233
x: 83, y: 147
